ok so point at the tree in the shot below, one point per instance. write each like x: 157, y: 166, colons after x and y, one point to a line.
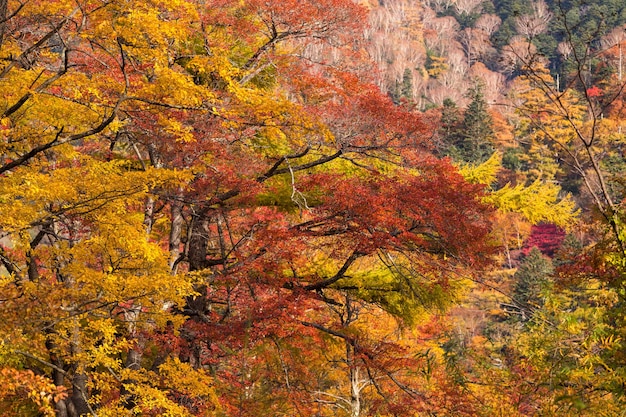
x: 449, y: 124
x: 545, y: 237
x: 476, y: 142
x: 488, y: 23
x: 493, y: 86
x: 407, y: 84
x: 191, y: 201
x: 470, y: 139
x: 475, y: 44
x: 536, y: 23
x: 531, y: 280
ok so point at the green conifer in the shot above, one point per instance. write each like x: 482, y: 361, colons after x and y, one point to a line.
x: 531, y: 279
x: 477, y: 135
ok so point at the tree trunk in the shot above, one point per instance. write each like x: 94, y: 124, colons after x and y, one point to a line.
x: 79, y: 405
x: 3, y: 17
x: 148, y: 219
x: 355, y: 392
x: 58, y: 377
x: 176, y: 231
x: 198, y: 242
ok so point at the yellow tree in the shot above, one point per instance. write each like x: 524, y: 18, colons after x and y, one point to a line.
x: 82, y: 277
x: 546, y: 133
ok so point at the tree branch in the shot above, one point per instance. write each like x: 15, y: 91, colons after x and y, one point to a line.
x: 340, y: 274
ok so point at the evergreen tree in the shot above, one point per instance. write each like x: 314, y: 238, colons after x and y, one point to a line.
x: 407, y: 84
x: 394, y: 92
x: 450, y: 128
x: 570, y: 249
x: 531, y: 279
x: 450, y: 117
x: 511, y: 158
x: 477, y: 135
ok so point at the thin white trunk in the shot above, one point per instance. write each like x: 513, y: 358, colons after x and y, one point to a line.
x: 355, y: 399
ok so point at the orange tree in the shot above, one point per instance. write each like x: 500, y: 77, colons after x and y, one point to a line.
x: 188, y: 187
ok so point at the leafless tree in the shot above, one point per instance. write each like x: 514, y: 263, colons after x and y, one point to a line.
x: 475, y: 43
x: 437, y: 92
x: 467, y: 6
x: 615, y: 40
x: 395, y: 39
x: 493, y: 82
x: 534, y: 24
x: 564, y: 49
x: 445, y: 29
x: 489, y: 23
x: 517, y: 54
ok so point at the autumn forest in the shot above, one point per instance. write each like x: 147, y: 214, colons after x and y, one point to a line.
x: 321, y: 208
